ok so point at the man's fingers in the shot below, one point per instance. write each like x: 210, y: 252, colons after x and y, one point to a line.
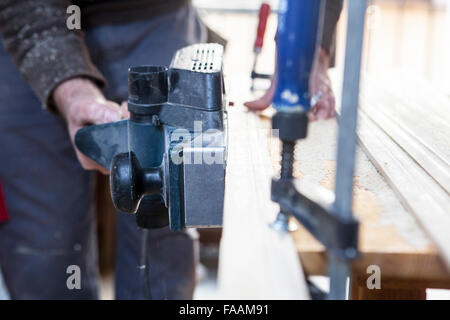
x: 324, y: 108
x: 262, y: 103
x: 89, y: 164
x: 332, y: 102
x: 91, y: 113
x: 86, y: 163
x: 322, y: 114
x: 124, y: 109
x: 257, y: 105
x: 97, y: 113
x: 108, y: 112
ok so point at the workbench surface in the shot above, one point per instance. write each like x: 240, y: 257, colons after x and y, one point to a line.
x: 390, y: 237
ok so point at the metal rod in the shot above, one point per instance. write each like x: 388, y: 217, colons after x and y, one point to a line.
x: 339, y: 268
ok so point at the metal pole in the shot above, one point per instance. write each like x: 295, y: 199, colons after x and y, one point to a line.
x: 339, y: 267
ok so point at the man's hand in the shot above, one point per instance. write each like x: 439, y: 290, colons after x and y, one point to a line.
x: 80, y: 102
x: 319, y: 83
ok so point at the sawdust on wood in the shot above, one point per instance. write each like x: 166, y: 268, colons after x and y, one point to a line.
x: 385, y: 224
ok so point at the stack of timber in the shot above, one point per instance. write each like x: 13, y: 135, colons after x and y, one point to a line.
x: 256, y: 261
x: 404, y: 128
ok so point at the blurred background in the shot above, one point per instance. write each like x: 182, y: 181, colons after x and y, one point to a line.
x: 410, y: 35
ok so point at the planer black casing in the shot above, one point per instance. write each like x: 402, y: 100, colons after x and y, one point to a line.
x: 167, y: 161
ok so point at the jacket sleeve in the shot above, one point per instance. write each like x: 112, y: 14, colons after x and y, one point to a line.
x: 45, y: 51
x: 333, y: 10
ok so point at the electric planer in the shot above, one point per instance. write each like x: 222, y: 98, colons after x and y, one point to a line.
x: 167, y: 161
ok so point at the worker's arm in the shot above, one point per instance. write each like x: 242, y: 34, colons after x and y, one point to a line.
x: 55, y: 62
x: 319, y: 81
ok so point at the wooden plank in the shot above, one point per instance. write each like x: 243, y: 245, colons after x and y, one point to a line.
x: 418, y: 95
x: 106, y: 226
x: 256, y: 262
x: 436, y: 167
x: 361, y: 292
x: 390, y: 236
x: 422, y: 110
x: 412, y: 184
x: 409, y: 144
x: 419, y: 192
